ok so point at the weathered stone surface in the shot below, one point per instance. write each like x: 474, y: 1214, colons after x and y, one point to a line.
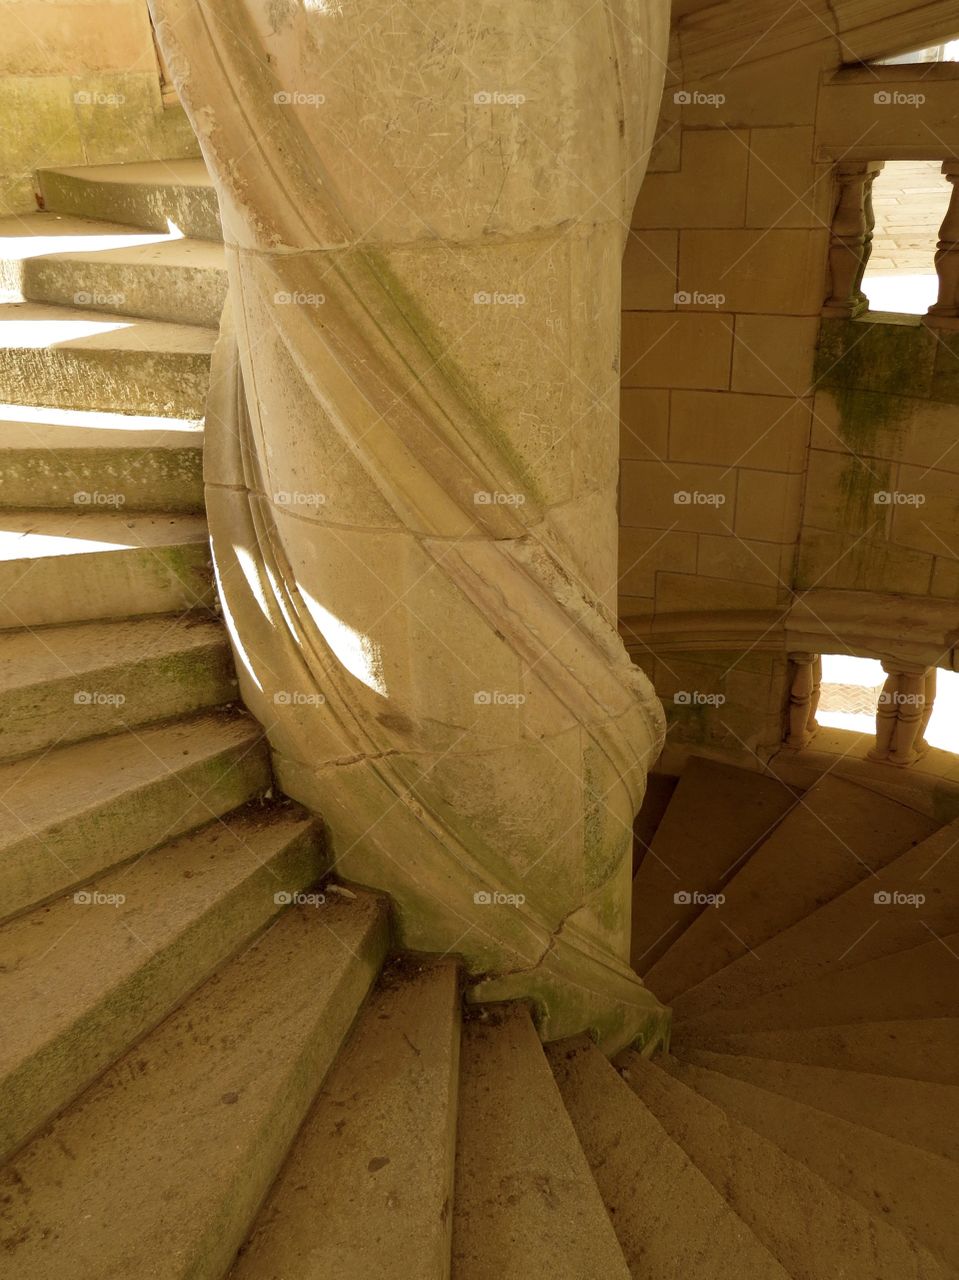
x: 413, y: 459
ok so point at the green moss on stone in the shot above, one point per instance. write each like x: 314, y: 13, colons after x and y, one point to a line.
x: 437, y: 348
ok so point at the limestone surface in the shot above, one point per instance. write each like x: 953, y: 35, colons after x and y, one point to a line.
x: 412, y: 456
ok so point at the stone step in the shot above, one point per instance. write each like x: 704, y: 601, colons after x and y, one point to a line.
x: 916, y: 1049
x: 912, y: 1111
x: 526, y: 1203
x: 76, y: 358
x: 669, y: 1220
x: 64, y: 684
x: 75, y: 811
x: 86, y: 976
x: 58, y: 458
x: 368, y: 1187
x: 893, y: 910
x: 160, y: 1166
x: 103, y: 266
x: 59, y: 566
x: 816, y: 1230
x: 717, y: 817
x: 915, y: 1191
x: 919, y: 983
x: 831, y: 840
x: 155, y: 194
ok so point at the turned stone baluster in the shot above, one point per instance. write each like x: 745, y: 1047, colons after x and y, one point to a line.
x: 944, y: 313
x: 851, y: 240
x: 803, y: 699
x: 903, y: 712
x: 930, y: 696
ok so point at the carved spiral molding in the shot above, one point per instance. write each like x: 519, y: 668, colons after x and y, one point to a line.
x: 412, y: 457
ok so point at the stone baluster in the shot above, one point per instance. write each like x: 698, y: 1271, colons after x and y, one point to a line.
x: 851, y: 239
x: 905, y: 705
x: 944, y: 313
x: 803, y: 699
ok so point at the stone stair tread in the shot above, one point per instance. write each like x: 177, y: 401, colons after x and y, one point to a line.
x: 367, y: 1188
x: 53, y: 653
x: 76, y: 329
x: 50, y: 457
x: 836, y: 834
x: 916, y: 1049
x: 916, y: 1112
x: 717, y: 816
x: 141, y: 937
x: 670, y: 1221
x: 89, y: 772
x: 847, y: 931
x: 36, y: 535
x: 915, y: 1191
x: 162, y: 173
x: 74, y: 811
x: 525, y: 1203
x: 159, y: 1167
x: 83, y: 565
x: 62, y: 684
x: 918, y: 983
x: 27, y: 427
x: 815, y: 1229
x: 20, y: 234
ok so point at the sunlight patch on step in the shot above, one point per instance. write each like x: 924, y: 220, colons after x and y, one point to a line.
x: 94, y: 419
x: 15, y: 544
x: 39, y: 334
x: 19, y: 248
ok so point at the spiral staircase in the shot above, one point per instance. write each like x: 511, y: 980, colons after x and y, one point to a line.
x: 215, y: 1064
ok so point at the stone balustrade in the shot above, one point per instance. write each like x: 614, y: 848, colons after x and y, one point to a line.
x: 851, y: 237
x: 903, y: 708
x: 944, y: 313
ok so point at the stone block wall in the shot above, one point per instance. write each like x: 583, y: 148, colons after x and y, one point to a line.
x: 882, y: 499
x: 79, y: 85
x: 723, y: 285
x: 766, y: 452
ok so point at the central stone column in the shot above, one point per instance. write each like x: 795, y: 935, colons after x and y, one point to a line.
x: 412, y: 455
